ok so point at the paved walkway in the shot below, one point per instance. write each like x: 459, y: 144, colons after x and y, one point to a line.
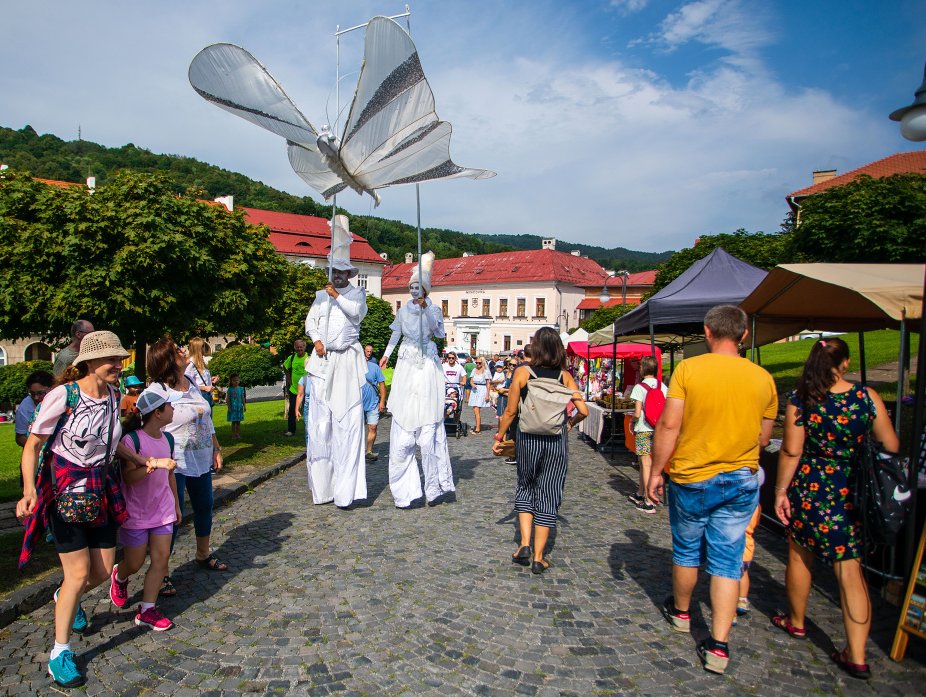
x: 380, y: 601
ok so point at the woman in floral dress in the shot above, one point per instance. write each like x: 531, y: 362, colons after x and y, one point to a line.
x: 825, y: 419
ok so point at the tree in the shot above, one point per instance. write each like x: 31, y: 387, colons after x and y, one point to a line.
x: 759, y: 249
x: 867, y: 220
x: 253, y: 363
x: 286, y: 317
x: 604, y: 316
x: 374, y: 329
x: 132, y: 257
x: 13, y: 380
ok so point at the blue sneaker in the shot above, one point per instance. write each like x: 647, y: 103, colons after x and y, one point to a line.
x: 63, y: 670
x: 80, y: 619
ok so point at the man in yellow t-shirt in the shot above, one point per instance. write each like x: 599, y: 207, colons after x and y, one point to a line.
x: 719, y: 411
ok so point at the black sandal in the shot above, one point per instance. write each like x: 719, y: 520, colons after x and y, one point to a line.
x: 522, y: 556
x: 538, y: 567
x: 212, y: 563
x: 860, y: 671
x: 167, y: 588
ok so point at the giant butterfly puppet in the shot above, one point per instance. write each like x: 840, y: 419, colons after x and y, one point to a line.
x: 392, y: 134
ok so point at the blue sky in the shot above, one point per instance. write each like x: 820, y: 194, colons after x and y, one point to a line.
x: 640, y: 123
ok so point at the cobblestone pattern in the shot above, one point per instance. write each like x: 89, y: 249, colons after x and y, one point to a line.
x: 381, y: 601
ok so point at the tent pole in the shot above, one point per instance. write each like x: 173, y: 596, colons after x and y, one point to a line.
x: 652, y: 338
x: 919, y: 395
x: 752, y: 333
x: 863, y: 371
x: 901, y: 362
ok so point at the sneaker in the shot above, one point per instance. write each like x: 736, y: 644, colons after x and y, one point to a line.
x: 714, y: 660
x: 742, y: 606
x: 289, y: 433
x: 510, y: 461
x: 680, y: 621
x: 372, y: 457
x: 646, y: 507
x: 636, y: 499
x: 80, y: 619
x: 153, y: 618
x: 118, y: 590
x: 63, y: 670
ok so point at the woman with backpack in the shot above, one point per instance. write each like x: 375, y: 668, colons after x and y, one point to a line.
x: 196, y: 370
x: 825, y: 419
x: 196, y: 449
x: 647, y: 406
x: 76, y: 496
x: 150, y: 491
x: 541, y: 443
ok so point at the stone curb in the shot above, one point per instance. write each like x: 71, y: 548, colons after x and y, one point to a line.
x: 35, y: 595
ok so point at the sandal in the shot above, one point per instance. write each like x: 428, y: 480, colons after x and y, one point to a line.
x: 783, y: 622
x: 212, y: 563
x: 522, y: 556
x: 538, y: 567
x: 856, y: 670
x: 167, y: 588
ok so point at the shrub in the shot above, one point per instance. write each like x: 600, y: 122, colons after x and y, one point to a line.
x: 254, y: 364
x: 13, y: 380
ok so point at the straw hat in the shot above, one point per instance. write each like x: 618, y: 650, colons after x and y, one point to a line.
x: 100, y: 345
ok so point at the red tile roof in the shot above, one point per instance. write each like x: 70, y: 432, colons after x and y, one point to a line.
x: 57, y: 182
x: 595, y: 303
x: 306, y: 235
x: 504, y: 267
x: 642, y: 278
x: 899, y: 163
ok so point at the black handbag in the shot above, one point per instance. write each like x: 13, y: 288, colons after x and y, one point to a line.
x: 882, y: 491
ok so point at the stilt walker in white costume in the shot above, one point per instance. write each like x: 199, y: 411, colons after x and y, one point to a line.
x: 337, y: 370
x: 416, y: 401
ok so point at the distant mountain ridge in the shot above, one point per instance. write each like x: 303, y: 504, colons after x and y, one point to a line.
x: 49, y: 157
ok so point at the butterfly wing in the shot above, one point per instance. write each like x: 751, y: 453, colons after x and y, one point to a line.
x: 393, y: 135
x: 231, y: 78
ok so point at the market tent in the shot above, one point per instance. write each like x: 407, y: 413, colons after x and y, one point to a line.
x: 582, y: 349
x: 834, y: 297
x: 717, y: 279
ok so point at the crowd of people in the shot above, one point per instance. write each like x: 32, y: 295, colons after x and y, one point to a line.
x: 91, y: 480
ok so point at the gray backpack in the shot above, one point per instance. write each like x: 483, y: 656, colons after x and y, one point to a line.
x: 543, y: 409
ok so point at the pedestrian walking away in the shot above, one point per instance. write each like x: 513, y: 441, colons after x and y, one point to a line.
x: 416, y: 401
x: 719, y: 411
x: 374, y: 399
x: 76, y: 497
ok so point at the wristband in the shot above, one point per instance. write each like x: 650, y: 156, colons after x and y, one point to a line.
x: 781, y: 488
x: 498, y: 437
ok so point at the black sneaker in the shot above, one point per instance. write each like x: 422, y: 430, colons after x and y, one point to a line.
x: 714, y: 659
x: 511, y: 461
x: 636, y: 499
x: 646, y: 507
x: 680, y: 621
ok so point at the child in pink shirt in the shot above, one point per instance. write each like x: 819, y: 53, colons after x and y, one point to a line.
x: 151, y: 499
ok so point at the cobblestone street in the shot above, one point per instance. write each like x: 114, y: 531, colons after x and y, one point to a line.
x: 381, y: 601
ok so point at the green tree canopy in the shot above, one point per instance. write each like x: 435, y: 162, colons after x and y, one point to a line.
x: 374, y: 329
x: 254, y: 364
x: 866, y: 220
x: 757, y: 248
x: 132, y: 257
x: 604, y: 316
x: 286, y: 317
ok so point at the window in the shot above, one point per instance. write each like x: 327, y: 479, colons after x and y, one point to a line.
x: 464, y: 308
x: 2, y: 356
x: 217, y: 347
x: 503, y: 307
x: 362, y: 280
x: 506, y: 343
x: 445, y: 308
x: 486, y: 308
x: 541, y: 307
x: 522, y: 307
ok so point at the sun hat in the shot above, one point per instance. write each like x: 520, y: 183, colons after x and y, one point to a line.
x: 156, y: 395
x: 133, y: 381
x: 101, y: 344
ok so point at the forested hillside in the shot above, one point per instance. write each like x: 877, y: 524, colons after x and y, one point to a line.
x: 50, y: 157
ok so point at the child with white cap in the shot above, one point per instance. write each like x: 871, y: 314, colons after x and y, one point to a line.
x: 150, y: 492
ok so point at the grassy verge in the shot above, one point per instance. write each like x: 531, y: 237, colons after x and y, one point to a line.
x: 44, y: 561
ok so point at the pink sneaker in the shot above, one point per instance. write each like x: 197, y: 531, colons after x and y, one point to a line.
x: 153, y: 618
x: 118, y: 590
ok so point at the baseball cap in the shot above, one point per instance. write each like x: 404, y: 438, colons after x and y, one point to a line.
x: 154, y: 396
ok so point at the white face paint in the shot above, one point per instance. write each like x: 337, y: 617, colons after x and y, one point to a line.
x: 414, y: 289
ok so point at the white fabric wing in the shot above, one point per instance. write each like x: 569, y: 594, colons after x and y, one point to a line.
x: 393, y: 135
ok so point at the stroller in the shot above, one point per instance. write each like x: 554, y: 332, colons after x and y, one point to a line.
x: 453, y: 408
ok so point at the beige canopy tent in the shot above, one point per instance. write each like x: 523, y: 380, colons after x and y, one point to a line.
x: 834, y: 297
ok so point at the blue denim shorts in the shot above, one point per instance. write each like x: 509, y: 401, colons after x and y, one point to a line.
x: 371, y: 417
x: 709, y: 521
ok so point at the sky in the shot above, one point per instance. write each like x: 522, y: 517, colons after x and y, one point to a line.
x: 634, y: 123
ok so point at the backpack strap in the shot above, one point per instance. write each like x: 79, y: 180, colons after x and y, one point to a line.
x: 133, y: 436
x: 170, y: 442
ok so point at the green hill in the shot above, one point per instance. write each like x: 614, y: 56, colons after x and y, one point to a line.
x: 49, y: 157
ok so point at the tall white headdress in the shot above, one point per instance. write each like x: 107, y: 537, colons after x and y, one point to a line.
x: 341, y: 237
x: 427, y: 261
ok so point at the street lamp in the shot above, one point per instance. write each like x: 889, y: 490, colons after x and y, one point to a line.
x: 604, y: 297
x: 913, y: 117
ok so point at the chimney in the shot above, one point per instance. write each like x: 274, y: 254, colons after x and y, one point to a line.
x: 409, y: 257
x: 576, y: 253
x: 384, y: 256
x: 227, y: 201
x: 91, y: 183
x: 822, y: 175
x: 467, y: 254
x: 548, y: 243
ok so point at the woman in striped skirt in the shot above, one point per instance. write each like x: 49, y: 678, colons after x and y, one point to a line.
x: 542, y: 459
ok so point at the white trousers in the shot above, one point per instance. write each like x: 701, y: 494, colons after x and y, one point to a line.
x: 335, y: 451
x: 403, y: 468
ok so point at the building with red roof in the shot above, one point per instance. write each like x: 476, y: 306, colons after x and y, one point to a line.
x: 495, y: 302
x: 823, y: 180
